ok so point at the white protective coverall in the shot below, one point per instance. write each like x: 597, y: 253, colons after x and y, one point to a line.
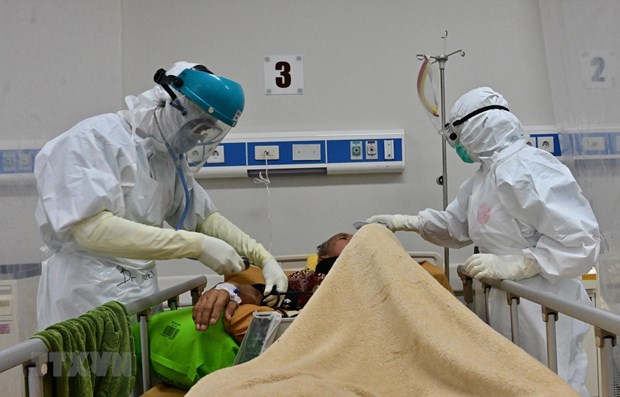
x: 116, y: 164
x: 522, y: 204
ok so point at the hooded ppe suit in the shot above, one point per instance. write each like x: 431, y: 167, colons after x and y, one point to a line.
x: 525, y: 212
x: 106, y: 187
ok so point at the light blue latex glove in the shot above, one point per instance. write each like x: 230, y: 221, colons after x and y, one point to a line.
x: 509, y: 267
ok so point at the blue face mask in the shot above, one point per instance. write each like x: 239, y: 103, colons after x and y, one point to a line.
x: 460, y: 150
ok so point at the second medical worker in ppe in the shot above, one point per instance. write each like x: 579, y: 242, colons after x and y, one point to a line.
x: 109, y: 185
x: 525, y: 212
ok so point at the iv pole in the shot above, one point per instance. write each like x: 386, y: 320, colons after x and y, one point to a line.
x: 443, y: 179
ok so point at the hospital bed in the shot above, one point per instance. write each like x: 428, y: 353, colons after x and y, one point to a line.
x: 606, y: 324
x: 32, y: 354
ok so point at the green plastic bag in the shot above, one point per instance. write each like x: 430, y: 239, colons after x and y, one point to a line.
x: 180, y: 355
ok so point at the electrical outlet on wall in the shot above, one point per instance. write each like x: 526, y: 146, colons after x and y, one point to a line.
x: 217, y: 157
x: 267, y: 152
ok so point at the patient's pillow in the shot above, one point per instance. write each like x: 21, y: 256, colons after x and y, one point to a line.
x: 253, y: 275
x: 311, y: 261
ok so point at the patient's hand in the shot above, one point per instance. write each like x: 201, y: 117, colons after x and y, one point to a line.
x: 213, y: 303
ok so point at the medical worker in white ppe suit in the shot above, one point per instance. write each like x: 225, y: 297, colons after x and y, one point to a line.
x: 108, y: 186
x: 525, y: 212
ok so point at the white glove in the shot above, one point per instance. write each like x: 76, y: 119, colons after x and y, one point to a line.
x: 216, y: 225
x: 274, y: 276
x: 410, y: 223
x: 220, y: 256
x: 108, y: 234
x: 509, y: 267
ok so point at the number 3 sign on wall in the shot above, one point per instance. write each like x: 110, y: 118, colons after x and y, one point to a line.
x: 284, y: 74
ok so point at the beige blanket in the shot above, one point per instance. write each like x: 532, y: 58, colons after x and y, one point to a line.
x: 380, y: 325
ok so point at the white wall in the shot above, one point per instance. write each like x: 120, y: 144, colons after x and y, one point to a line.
x: 360, y: 69
x: 61, y: 62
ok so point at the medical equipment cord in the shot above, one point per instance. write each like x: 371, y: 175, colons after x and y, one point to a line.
x: 178, y: 164
x: 265, y: 180
x: 186, y: 190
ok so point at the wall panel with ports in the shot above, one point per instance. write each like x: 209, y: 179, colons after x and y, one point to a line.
x: 307, y: 152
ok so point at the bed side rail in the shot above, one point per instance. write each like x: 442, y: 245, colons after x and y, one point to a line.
x: 298, y: 261
x: 32, y: 353
x: 606, y: 324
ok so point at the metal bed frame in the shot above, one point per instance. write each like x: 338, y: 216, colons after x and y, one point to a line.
x: 294, y: 262
x: 606, y: 324
x: 32, y: 354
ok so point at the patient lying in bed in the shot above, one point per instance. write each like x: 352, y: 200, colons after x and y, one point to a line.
x: 401, y: 334
x: 302, y: 284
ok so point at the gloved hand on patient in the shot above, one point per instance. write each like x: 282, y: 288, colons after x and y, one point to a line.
x: 217, y: 225
x: 509, y: 267
x: 274, y: 277
x: 398, y: 222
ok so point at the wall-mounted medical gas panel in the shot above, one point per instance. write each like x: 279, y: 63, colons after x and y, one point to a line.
x: 299, y: 153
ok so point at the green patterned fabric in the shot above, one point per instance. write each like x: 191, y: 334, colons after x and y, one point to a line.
x: 92, y: 355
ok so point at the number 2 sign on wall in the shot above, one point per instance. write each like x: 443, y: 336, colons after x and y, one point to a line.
x: 284, y: 74
x: 598, y: 68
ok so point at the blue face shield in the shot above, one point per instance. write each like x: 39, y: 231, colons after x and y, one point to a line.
x: 209, y: 107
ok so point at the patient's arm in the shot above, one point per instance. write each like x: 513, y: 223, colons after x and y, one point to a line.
x: 213, y: 303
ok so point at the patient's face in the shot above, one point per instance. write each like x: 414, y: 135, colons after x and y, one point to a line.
x: 336, y: 244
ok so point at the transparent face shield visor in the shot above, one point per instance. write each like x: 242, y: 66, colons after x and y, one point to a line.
x: 451, y: 133
x: 199, y: 138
